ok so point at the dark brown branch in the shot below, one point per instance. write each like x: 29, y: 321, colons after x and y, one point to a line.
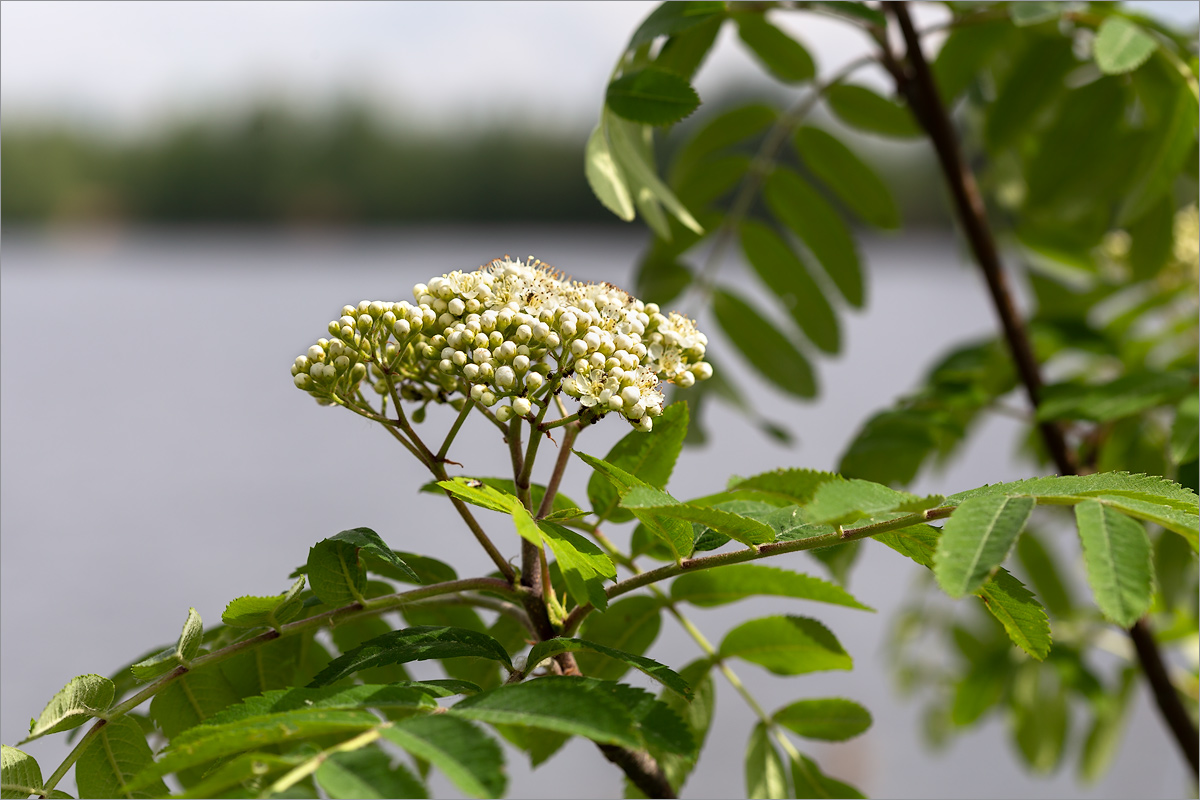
x: 643, y: 770
x: 921, y: 92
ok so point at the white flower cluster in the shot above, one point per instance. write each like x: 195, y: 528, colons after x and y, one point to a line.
x: 508, y: 335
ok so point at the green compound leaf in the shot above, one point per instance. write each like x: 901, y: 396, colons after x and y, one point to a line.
x: 649, y: 457
x: 557, y: 703
x: 839, y: 502
x: 629, y: 626
x: 1005, y: 597
x: 832, y: 719
x: 848, y: 176
x: 20, y: 775
x: 765, y: 777
x: 1123, y: 397
x: 335, y: 574
x: 975, y: 540
x: 84, y: 697
x: 786, y: 645
x: 179, y: 655
x: 863, y: 109
x: 767, y: 349
x: 673, y: 18
x: 660, y: 672
x: 743, y: 529
x: 715, y: 587
x: 1122, y: 46
x: 367, y: 773
x: 811, y: 782
x: 255, y: 612
x: 652, y: 96
x: 1119, y: 563
x: 674, y: 534
x: 783, y: 56
x: 466, y: 755
x: 790, y: 486
x: 107, y: 767
x: 608, y: 183
x: 789, y: 280
x: 584, y: 566
x: 801, y: 208
x: 418, y: 643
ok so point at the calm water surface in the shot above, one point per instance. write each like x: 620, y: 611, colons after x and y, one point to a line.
x: 156, y: 456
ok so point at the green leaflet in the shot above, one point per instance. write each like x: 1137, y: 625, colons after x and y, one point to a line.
x: 107, y: 767
x: 81, y: 699
x: 675, y: 534
x: 469, y: 758
x: 506, y: 487
x: 685, y: 51
x: 697, y: 716
x: 605, y: 178
x: 768, y: 350
x: 254, y: 612
x: 789, y: 280
x: 563, y: 704
x: 787, y: 485
x: 628, y: 626
x: 179, y: 655
x: 1121, y: 46
x: 670, y: 19
x: 847, y: 176
x: 743, y: 529
x: 725, y: 130
x: 1101, y: 745
x: 369, y: 543
x: 237, y: 771
x: 1128, y: 395
x: 800, y: 207
x: 20, y: 775
x: 980, y: 689
x: 714, y: 587
x: 809, y: 781
x: 832, y: 719
x: 1168, y: 144
x: 765, y: 777
x: 659, y: 728
x: 206, y: 743
x: 863, y: 109
x: 783, y: 56
x: 1117, y: 553
x: 1034, y: 13
x: 334, y: 573
x: 1005, y: 597
x: 584, y: 566
x: 191, y: 699
x: 539, y: 743
x: 418, y: 643
x: 1035, y: 79
x: 414, y: 695
x: 649, y: 457
x: 786, y: 645
x: 840, y: 502
x: 1148, y: 488
x: 641, y: 173
x: 367, y: 773
x: 1185, y: 431
x: 978, y: 536
x: 965, y: 51
x: 480, y: 494
x: 652, y: 96
x: 660, y: 672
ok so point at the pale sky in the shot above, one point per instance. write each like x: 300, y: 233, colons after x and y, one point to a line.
x: 125, y: 64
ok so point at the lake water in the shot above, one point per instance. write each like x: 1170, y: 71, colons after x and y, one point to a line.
x: 156, y: 456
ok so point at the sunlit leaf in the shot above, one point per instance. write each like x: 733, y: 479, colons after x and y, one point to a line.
x: 714, y: 587
x: 833, y: 719
x: 976, y: 539
x: 1117, y: 554
x: 765, y: 777
x: 629, y: 626
x: 786, y: 645
x: 253, y: 612
x: 1121, y: 45
x: 466, y: 755
x: 418, y: 643
x: 84, y: 697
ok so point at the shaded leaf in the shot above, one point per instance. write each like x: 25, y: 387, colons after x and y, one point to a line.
x: 809, y: 781
x: 630, y: 626
x: 191, y: 699
x: 847, y: 176
x: 369, y: 543
x: 1128, y: 395
x: 732, y: 127
x: 833, y: 719
x: 783, y: 56
x: 418, y: 643
x: 466, y: 755
x: 240, y: 770
x: 367, y: 773
x: 649, y: 457
x: 786, y: 645
x: 800, y: 207
x: 660, y: 672
x: 767, y: 349
x: 652, y: 96
x: 108, y: 764
x: 685, y: 51
x: 1185, y: 430
x: 839, y: 502
x: 714, y: 587
x: 334, y: 573
x: 673, y: 18
x: 1034, y: 13
x: 764, y: 768
x: 863, y: 109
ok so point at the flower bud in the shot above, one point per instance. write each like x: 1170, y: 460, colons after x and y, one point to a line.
x: 487, y: 399
x: 316, y: 353
x: 504, y: 413
x: 505, y: 377
x: 521, y: 363
x: 401, y: 328
x: 685, y: 379
x: 460, y: 358
x: 375, y: 309
x: 578, y: 347
x: 631, y: 394
x: 456, y: 307
x: 471, y: 372
x: 446, y: 365
x: 643, y: 424
x: 534, y: 381
x: 521, y: 406
x: 358, y: 372
x: 302, y: 381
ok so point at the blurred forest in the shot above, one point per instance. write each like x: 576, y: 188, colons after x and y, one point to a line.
x: 272, y: 165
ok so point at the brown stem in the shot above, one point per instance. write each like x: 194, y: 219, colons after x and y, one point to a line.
x: 921, y: 91
x: 643, y: 770
x: 560, y: 467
